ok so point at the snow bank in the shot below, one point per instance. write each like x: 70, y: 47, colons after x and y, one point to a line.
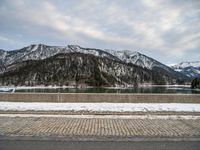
x: 105, y: 116
x: 7, y: 89
x: 102, y: 107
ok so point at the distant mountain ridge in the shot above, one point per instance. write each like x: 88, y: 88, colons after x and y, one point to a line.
x: 190, y: 69
x: 13, y: 61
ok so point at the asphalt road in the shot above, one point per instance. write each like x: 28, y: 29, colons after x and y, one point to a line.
x: 84, y: 145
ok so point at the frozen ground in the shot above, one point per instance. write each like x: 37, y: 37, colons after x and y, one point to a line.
x: 101, y: 107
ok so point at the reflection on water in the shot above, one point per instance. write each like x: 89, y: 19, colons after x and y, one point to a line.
x: 183, y: 90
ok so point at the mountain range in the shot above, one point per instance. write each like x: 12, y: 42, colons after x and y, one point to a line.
x: 190, y: 69
x: 40, y: 64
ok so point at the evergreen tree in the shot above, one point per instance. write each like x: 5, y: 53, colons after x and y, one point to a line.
x: 195, y: 83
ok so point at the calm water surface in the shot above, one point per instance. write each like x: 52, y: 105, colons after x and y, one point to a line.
x: 178, y: 90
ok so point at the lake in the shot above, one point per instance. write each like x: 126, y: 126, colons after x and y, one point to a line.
x: 148, y: 89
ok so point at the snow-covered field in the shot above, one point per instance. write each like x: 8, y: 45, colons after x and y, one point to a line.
x: 101, y: 107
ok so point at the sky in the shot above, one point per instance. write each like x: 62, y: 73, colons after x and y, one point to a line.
x: 166, y: 30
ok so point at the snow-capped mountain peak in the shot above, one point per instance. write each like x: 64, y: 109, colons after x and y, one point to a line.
x: 74, y: 47
x: 190, y: 69
x: 187, y: 64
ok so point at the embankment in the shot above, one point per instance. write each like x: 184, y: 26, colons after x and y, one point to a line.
x: 100, y: 97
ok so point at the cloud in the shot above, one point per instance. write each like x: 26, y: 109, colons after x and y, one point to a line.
x: 165, y: 30
x: 4, y: 39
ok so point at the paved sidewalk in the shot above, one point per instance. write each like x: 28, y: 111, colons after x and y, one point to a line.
x: 99, y: 127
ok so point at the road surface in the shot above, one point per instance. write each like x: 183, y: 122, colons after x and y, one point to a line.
x: 89, y: 132
x: 115, y: 145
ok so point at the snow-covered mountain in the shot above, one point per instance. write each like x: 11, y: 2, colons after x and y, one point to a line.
x: 137, y: 58
x: 80, y: 69
x: 190, y: 69
x: 187, y: 64
x: 32, y: 52
x: 10, y: 59
x: 40, y: 51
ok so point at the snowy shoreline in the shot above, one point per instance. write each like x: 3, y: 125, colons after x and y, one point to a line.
x: 117, y: 87
x: 100, y: 107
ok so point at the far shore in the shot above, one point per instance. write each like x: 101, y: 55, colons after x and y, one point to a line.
x: 112, y: 87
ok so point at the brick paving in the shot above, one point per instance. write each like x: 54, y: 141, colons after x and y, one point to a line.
x: 98, y: 127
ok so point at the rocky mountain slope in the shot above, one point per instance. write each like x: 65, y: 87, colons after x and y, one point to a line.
x: 73, y: 64
x: 79, y: 69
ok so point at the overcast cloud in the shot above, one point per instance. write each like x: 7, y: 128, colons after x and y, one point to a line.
x: 167, y: 30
